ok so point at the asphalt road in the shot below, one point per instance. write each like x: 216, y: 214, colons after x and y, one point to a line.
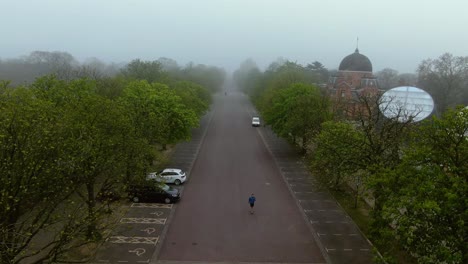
x: 212, y: 222
x: 212, y: 225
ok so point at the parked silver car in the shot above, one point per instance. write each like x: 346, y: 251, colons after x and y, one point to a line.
x: 169, y: 175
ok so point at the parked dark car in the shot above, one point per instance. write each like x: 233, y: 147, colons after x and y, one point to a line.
x: 153, y: 193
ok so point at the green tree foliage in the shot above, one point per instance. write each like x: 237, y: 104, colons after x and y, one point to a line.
x: 92, y: 137
x: 158, y: 113
x: 388, y: 78
x: 338, y: 152
x: 281, y: 75
x: 31, y: 185
x: 446, y: 79
x: 151, y: 71
x: 193, y: 96
x: 297, y: 112
x: 249, y: 79
x: 428, y: 209
x: 212, y: 78
x: 66, y: 141
x: 319, y: 70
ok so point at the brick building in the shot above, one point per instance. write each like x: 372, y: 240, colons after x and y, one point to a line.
x: 353, y: 79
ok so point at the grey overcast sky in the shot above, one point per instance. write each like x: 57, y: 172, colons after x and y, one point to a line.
x: 397, y: 34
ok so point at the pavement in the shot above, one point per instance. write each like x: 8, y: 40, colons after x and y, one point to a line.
x: 295, y: 221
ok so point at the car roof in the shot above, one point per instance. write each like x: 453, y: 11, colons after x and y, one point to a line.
x: 171, y: 170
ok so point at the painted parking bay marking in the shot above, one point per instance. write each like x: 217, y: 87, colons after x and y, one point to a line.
x: 138, y: 251
x: 158, y: 221
x: 149, y: 230
x: 157, y: 213
x: 133, y: 240
x: 150, y: 205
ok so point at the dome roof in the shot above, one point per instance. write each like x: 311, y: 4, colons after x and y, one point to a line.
x: 356, y: 62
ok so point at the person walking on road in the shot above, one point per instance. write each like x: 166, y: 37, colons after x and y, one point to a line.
x: 252, y: 203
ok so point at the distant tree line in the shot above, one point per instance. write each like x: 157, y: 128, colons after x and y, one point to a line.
x: 71, y: 141
x: 444, y: 78
x: 414, y: 174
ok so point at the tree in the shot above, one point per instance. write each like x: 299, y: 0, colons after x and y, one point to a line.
x: 169, y: 65
x: 33, y: 188
x: 243, y: 76
x: 407, y: 79
x: 248, y: 78
x: 61, y: 64
x: 338, y: 152
x: 193, y: 96
x: 157, y: 113
x: 297, y: 112
x: 446, y: 79
x: 212, y: 78
x: 280, y: 75
x: 92, y: 130
x: 428, y: 206
x: 151, y: 71
x: 319, y: 70
x: 388, y: 78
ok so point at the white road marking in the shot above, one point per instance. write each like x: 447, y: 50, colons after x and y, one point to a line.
x: 158, y: 221
x: 151, y: 205
x: 133, y: 240
x: 157, y: 213
x: 138, y: 251
x: 149, y: 230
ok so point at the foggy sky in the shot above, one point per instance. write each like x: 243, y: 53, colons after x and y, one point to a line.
x: 397, y: 34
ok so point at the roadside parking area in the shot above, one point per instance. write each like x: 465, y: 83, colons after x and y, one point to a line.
x: 340, y: 239
x: 140, y: 232
x: 135, y: 238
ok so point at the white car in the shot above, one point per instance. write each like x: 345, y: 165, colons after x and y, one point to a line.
x: 175, y: 176
x: 255, y: 121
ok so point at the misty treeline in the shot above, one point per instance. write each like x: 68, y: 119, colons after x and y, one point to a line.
x: 25, y: 70
x: 70, y: 144
x: 414, y: 175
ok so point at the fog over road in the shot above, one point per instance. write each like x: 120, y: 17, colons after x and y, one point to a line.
x: 212, y: 221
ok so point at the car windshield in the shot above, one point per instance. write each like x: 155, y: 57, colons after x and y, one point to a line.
x: 165, y: 187
x: 256, y: 119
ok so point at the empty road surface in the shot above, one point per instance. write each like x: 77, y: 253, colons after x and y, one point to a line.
x: 212, y: 222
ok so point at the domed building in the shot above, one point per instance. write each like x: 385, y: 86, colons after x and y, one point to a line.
x: 353, y: 78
